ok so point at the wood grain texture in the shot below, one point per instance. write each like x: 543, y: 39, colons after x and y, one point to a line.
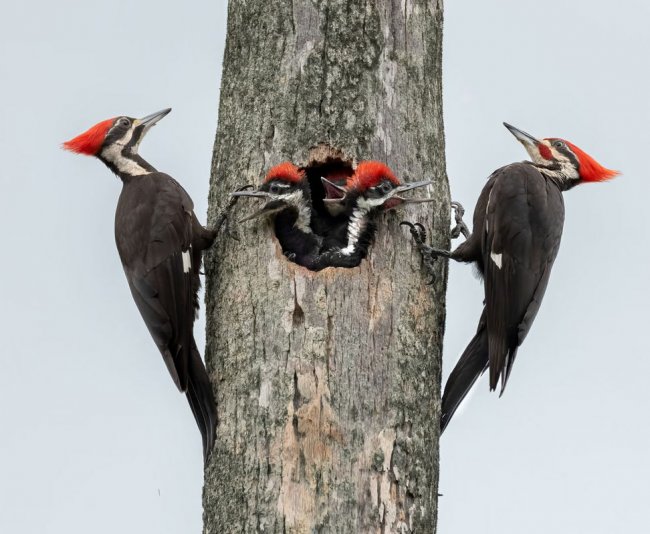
x: 328, y: 383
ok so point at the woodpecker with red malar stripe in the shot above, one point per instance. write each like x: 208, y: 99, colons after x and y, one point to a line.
x: 160, y: 242
x: 518, y: 223
x: 372, y: 188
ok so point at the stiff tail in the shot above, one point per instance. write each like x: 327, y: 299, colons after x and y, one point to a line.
x: 471, y: 365
x: 201, y: 398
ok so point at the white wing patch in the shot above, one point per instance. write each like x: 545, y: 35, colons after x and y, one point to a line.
x: 496, y: 258
x: 187, y: 260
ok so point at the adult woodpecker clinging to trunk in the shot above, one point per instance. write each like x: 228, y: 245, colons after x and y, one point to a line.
x: 160, y: 241
x: 518, y: 223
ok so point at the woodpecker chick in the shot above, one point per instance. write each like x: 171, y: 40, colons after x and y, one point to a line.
x: 335, y: 191
x: 372, y: 188
x: 288, y: 202
x: 518, y: 222
x: 159, y: 240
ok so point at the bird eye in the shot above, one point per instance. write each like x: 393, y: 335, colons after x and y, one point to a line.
x: 125, y: 122
x: 274, y: 189
x: 558, y: 144
x: 385, y: 187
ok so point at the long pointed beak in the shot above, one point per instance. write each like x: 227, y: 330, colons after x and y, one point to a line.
x: 409, y: 186
x: 152, y: 119
x: 270, y: 208
x: 396, y: 200
x: 521, y: 136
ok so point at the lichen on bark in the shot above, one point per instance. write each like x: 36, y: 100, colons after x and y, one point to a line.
x: 328, y: 383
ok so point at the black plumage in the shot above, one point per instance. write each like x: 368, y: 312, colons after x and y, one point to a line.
x: 518, y: 223
x: 160, y: 242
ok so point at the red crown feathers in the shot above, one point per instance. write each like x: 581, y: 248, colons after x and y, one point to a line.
x: 286, y: 171
x: 91, y: 140
x: 590, y: 169
x: 369, y: 174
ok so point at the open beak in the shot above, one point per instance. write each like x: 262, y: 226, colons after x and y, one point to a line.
x: 270, y: 208
x: 150, y: 120
x: 333, y: 191
x: 396, y: 200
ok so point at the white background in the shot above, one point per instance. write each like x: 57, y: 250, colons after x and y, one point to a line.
x: 95, y: 438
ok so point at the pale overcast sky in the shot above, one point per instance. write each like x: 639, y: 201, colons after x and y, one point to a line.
x: 95, y: 436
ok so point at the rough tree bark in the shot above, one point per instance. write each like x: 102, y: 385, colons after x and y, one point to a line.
x: 328, y: 384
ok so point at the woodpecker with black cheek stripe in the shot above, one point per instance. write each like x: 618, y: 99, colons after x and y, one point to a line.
x: 286, y: 191
x: 518, y: 223
x: 288, y: 202
x: 160, y: 241
x: 372, y: 189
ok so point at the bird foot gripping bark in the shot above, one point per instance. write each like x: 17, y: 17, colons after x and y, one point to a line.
x: 223, y: 216
x: 429, y: 254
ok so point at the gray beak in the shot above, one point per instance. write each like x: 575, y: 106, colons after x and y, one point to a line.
x: 411, y: 185
x: 522, y: 137
x: 270, y: 208
x: 396, y: 200
x: 152, y: 119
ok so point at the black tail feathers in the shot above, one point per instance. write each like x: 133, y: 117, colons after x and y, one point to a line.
x: 471, y: 365
x: 201, y: 398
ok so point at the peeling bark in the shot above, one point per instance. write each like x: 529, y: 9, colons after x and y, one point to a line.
x: 328, y: 383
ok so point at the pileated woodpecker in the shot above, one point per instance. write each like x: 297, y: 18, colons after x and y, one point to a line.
x: 372, y: 187
x: 159, y: 240
x: 334, y: 184
x: 288, y: 201
x: 518, y: 222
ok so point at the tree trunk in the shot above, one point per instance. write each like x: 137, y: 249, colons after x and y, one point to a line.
x: 328, y: 383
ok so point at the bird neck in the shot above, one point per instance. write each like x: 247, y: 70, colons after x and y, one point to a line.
x: 300, y: 208
x: 359, y: 232
x: 124, y: 163
x: 564, y: 176
x: 303, y: 216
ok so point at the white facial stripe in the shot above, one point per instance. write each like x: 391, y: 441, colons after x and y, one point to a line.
x: 369, y: 203
x: 113, y: 154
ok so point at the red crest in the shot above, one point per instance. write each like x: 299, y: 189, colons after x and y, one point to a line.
x: 91, y: 140
x: 369, y: 174
x: 285, y: 171
x: 590, y: 169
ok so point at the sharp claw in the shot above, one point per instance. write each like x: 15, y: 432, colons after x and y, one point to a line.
x: 458, y: 208
x: 422, y: 234
x: 406, y: 223
x: 244, y: 187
